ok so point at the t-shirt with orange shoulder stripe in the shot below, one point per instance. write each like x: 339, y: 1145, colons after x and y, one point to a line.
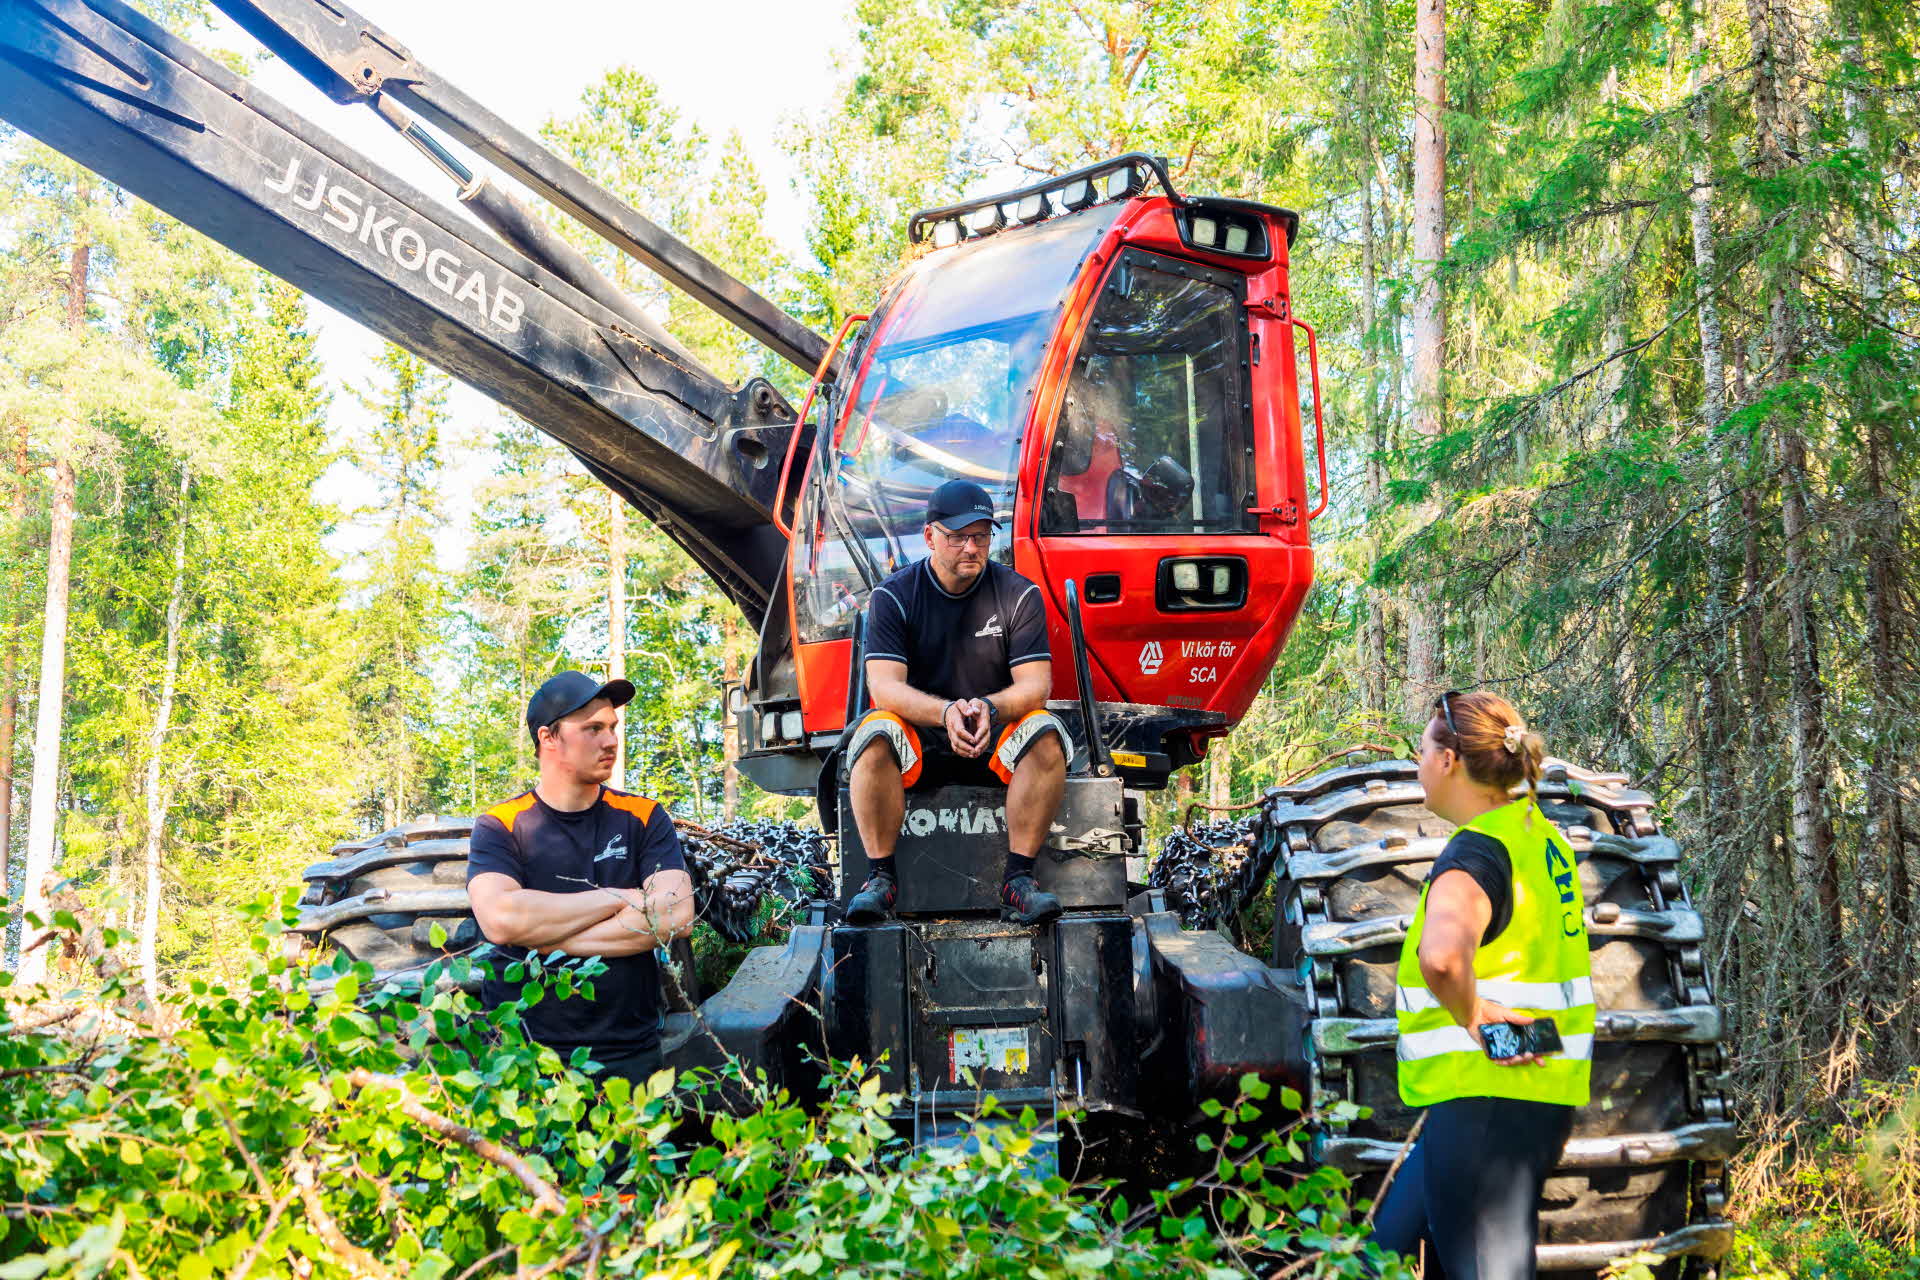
x: 618, y: 841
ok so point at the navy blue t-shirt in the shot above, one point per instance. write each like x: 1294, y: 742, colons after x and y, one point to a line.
x: 618, y: 842
x: 957, y: 646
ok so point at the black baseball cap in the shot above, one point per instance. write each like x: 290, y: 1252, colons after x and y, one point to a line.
x: 566, y: 693
x: 959, y: 503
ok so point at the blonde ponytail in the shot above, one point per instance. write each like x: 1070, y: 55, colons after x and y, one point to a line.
x: 1496, y: 745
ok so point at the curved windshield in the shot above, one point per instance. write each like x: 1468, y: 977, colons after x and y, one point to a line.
x: 944, y: 389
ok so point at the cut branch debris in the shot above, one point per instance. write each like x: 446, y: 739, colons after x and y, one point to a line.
x: 545, y: 1198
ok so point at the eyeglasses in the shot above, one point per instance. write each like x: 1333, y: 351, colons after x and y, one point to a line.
x: 1446, y: 710
x: 955, y: 541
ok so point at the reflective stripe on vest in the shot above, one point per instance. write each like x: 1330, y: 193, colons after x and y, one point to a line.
x: 1415, y: 1045
x: 1538, y: 965
x: 1545, y: 996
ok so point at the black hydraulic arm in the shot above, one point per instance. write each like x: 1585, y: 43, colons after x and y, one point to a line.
x: 107, y: 86
x: 351, y: 60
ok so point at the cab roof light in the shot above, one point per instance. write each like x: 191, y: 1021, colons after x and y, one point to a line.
x: 987, y: 219
x: 1237, y: 225
x: 1124, y: 182
x: 1077, y: 194
x: 1206, y: 232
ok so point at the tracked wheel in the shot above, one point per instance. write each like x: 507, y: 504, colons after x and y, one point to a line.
x: 377, y: 900
x: 1643, y: 1170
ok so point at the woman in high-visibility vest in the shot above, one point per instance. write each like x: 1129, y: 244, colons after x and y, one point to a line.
x: 1499, y: 940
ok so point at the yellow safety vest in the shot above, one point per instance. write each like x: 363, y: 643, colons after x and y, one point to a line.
x: 1537, y: 965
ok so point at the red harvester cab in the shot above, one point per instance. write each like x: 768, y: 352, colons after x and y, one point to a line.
x: 1118, y: 368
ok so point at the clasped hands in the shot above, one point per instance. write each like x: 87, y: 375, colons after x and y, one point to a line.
x: 969, y: 724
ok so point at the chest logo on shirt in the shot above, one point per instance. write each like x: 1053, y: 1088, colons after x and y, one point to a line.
x: 991, y: 629
x: 616, y: 848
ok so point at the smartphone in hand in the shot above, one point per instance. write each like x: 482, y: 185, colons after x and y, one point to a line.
x: 1506, y: 1041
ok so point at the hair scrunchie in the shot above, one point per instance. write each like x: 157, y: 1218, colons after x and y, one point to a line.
x: 1515, y: 735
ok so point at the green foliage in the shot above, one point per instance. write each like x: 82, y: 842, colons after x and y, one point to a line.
x: 1843, y: 1190
x: 1593, y: 540
x: 627, y: 138
x: 1826, y: 1249
x: 291, y: 1123
x: 398, y: 621
x: 189, y: 403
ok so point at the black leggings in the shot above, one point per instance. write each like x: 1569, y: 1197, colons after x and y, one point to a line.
x: 1470, y: 1188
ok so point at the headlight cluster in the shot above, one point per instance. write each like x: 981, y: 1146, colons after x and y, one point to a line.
x: 1216, y: 231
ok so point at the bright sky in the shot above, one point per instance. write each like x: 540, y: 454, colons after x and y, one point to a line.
x: 746, y: 65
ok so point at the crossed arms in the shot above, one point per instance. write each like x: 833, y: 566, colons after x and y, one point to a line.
x: 595, y: 922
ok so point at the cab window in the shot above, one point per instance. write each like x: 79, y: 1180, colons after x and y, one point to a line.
x: 1154, y: 435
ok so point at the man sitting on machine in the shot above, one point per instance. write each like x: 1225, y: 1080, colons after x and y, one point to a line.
x: 959, y: 670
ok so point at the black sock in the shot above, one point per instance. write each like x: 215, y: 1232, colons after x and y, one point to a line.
x: 1018, y: 865
x: 880, y: 866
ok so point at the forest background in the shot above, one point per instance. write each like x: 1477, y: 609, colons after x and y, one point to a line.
x: 1620, y: 349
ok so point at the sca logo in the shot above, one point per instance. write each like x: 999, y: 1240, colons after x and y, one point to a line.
x: 1151, y: 658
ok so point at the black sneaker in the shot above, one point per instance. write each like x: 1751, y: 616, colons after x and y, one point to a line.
x: 1026, y: 902
x: 874, y: 902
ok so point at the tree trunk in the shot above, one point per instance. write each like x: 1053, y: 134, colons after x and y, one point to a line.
x: 117, y: 876
x: 42, y: 806
x: 1888, y: 744
x: 1716, y: 773
x: 393, y: 807
x: 522, y: 740
x: 10, y: 665
x: 42, y: 802
x: 1613, y: 417
x: 156, y: 743
x: 1814, y: 867
x: 1373, y: 644
x: 1220, y: 774
x: 1887, y: 753
x: 729, y: 724
x: 1429, y: 317
x: 617, y: 618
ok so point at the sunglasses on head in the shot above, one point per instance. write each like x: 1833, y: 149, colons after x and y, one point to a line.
x: 1444, y: 703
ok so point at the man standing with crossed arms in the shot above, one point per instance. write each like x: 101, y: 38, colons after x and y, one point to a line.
x: 578, y: 867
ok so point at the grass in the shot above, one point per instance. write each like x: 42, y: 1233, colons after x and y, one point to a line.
x: 1836, y: 1197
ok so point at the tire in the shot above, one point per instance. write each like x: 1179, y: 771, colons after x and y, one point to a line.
x: 1351, y: 849
x: 377, y: 900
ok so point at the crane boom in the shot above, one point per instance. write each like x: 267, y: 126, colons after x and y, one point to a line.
x: 351, y: 60
x: 107, y: 86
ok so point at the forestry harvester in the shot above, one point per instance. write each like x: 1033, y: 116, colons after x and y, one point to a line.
x: 1116, y: 362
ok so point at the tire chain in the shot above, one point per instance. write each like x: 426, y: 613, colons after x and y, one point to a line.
x: 735, y: 865
x: 1211, y: 872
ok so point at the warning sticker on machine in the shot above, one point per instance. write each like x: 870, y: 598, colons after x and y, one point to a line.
x: 986, y: 1048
